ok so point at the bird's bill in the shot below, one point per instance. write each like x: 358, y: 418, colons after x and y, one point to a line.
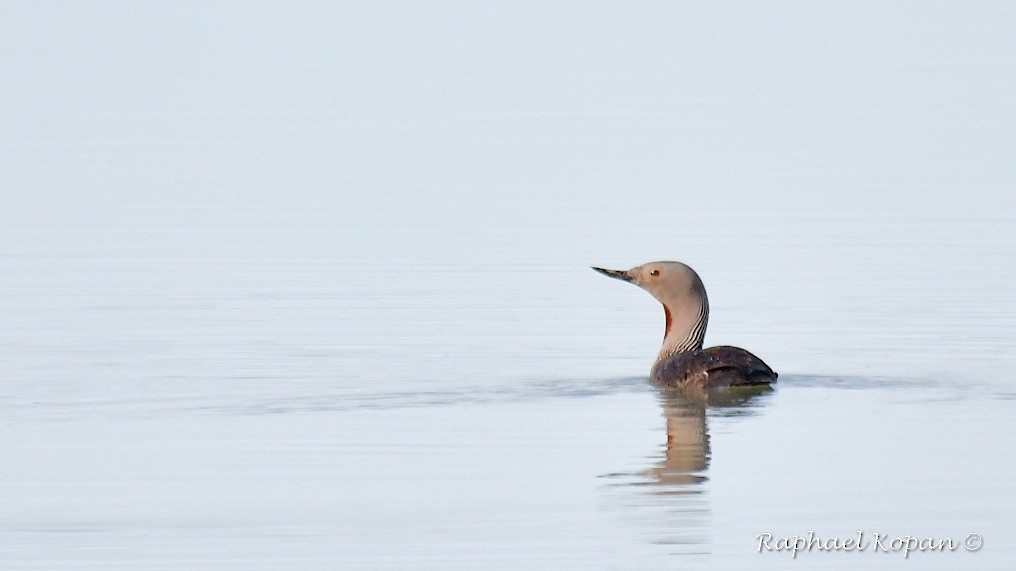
x: 622, y: 275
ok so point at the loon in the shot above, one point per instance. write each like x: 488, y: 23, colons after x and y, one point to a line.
x: 682, y: 361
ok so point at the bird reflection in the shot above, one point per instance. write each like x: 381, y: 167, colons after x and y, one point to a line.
x: 680, y: 507
x: 686, y: 457
x: 687, y: 453
x: 671, y: 505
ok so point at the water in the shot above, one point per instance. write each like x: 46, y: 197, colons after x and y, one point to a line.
x: 310, y: 289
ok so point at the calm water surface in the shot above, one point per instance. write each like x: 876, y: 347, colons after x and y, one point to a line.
x: 310, y: 289
x: 396, y: 414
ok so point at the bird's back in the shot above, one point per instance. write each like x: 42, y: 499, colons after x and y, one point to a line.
x: 720, y: 366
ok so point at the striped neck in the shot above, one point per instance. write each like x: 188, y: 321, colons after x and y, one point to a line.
x: 686, y: 329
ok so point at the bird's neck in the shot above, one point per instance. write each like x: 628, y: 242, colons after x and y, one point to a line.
x: 686, y: 328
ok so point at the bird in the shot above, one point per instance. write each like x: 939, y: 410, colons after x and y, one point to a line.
x: 682, y: 362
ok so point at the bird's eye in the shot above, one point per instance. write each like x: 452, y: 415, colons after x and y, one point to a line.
x: 654, y: 273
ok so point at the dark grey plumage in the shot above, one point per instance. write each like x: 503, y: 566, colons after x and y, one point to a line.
x: 719, y: 366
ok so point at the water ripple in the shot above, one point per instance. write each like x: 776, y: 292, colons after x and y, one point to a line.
x: 273, y: 399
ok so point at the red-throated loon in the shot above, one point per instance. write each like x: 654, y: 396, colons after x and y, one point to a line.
x: 682, y: 361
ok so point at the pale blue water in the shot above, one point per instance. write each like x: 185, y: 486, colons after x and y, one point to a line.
x: 310, y: 288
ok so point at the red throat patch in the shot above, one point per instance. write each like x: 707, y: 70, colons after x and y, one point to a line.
x: 666, y: 312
